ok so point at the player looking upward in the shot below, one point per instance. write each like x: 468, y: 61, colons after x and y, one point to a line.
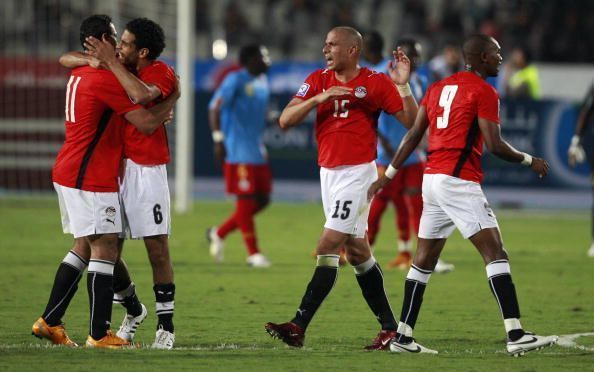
x: 237, y: 117
x: 85, y: 178
x: 461, y: 113
x: 405, y: 191
x: 348, y: 99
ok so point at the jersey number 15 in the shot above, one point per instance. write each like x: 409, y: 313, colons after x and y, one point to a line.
x: 445, y: 100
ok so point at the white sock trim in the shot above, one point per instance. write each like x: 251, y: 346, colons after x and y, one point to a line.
x: 511, y: 324
x: 164, y: 307
x: 497, y: 268
x: 121, y: 295
x: 328, y: 260
x: 404, y: 246
x: 404, y: 329
x: 365, y: 266
x: 419, y: 275
x: 75, y: 261
x: 101, y: 267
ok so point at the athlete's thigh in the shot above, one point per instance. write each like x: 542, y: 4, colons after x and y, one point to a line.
x: 344, y: 193
x: 466, y: 204
x: 435, y: 222
x: 87, y: 213
x: 145, y: 195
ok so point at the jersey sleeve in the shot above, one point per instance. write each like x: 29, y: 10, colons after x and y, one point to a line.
x: 225, y: 92
x: 389, y: 98
x: 111, y: 92
x: 161, y: 76
x: 488, y: 104
x: 310, y: 87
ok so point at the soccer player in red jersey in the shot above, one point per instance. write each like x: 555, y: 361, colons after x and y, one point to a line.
x: 461, y: 113
x: 144, y: 188
x: 348, y: 99
x: 85, y: 178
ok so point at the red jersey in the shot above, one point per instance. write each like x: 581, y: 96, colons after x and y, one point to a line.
x: 346, y: 128
x: 90, y: 157
x: 151, y: 149
x: 453, y: 107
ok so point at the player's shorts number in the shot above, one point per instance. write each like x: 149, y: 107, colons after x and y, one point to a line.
x: 445, y: 101
x: 346, y: 211
x: 157, y: 214
x: 340, y: 110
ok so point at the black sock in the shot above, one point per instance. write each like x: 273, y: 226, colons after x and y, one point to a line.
x: 125, y: 290
x: 502, y: 287
x: 414, y: 288
x: 100, y: 288
x: 165, y: 296
x: 318, y: 288
x: 65, y: 286
x: 370, y: 279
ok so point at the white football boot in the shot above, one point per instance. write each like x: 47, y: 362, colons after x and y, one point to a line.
x: 591, y: 250
x: 258, y: 260
x: 164, y: 339
x: 443, y: 267
x: 412, y: 348
x: 130, y: 324
x: 529, y: 342
x: 217, y: 246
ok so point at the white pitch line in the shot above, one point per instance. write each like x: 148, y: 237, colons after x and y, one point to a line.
x: 569, y: 341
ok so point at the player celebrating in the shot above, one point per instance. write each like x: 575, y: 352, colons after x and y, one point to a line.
x: 85, y: 178
x: 144, y: 188
x: 237, y: 117
x: 348, y: 99
x: 461, y: 112
x: 405, y: 191
x: 576, y: 153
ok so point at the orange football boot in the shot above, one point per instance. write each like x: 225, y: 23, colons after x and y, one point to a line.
x: 402, y: 261
x: 56, y: 334
x: 109, y: 341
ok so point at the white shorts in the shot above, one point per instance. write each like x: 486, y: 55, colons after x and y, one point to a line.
x: 145, y: 199
x: 344, y: 197
x: 86, y: 213
x: 450, y: 202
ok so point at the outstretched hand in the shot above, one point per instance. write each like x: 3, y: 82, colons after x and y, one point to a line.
x: 102, y: 50
x: 376, y: 187
x: 540, y: 167
x: 399, y: 67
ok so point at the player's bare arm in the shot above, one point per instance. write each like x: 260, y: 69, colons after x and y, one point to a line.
x: 78, y: 59
x: 409, y: 143
x: 138, y: 91
x: 399, y: 71
x: 214, y: 121
x: 147, y: 121
x: 575, y: 152
x: 297, y: 109
x: 503, y: 150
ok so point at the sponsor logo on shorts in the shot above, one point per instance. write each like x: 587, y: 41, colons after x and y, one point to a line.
x: 360, y: 92
x: 110, y: 212
x: 302, y: 90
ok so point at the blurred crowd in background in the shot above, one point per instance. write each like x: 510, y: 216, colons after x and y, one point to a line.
x: 550, y: 30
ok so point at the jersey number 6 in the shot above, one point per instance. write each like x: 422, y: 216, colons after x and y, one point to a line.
x: 445, y: 100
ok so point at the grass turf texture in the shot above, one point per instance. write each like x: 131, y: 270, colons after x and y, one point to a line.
x: 220, y: 309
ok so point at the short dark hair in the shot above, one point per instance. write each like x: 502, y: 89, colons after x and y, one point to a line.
x: 374, y: 41
x: 148, y: 35
x: 247, y: 52
x: 409, y: 43
x: 95, y: 25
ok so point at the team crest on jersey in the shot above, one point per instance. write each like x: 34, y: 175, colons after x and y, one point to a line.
x: 302, y: 90
x: 360, y: 92
x: 249, y: 90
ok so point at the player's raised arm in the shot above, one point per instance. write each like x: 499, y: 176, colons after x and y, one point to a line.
x: 407, y: 146
x: 78, y: 59
x: 399, y: 71
x: 138, y: 91
x: 502, y: 149
x: 298, y: 109
x: 147, y: 121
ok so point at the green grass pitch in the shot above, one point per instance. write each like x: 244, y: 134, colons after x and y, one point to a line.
x: 220, y: 309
